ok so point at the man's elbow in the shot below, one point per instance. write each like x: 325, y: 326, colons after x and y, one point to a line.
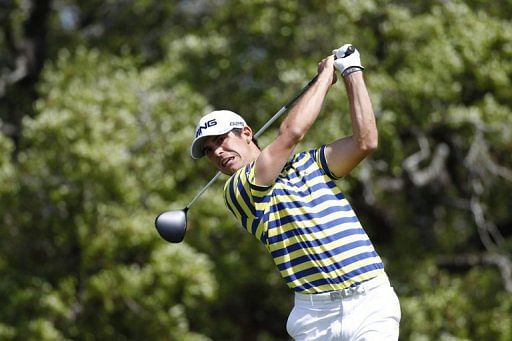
x: 292, y: 135
x: 369, y: 144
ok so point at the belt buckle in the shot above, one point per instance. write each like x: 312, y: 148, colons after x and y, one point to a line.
x: 347, y: 292
x: 335, y: 295
x: 350, y: 291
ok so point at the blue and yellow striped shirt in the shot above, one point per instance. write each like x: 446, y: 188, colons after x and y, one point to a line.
x: 307, y: 225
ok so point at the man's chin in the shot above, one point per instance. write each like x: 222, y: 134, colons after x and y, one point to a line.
x: 226, y: 171
x: 230, y: 170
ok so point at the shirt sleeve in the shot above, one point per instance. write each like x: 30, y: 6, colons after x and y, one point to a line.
x: 244, y: 198
x: 248, y: 202
x: 319, y: 156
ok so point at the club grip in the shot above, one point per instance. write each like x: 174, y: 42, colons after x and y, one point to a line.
x: 349, y: 51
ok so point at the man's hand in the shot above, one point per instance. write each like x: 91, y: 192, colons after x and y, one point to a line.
x: 327, y: 66
x: 347, y: 60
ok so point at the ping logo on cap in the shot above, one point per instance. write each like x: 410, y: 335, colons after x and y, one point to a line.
x: 206, y: 125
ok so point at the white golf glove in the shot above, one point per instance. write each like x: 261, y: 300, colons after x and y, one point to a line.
x: 347, y: 59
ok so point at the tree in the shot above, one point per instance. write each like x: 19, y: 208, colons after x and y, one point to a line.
x: 83, y: 260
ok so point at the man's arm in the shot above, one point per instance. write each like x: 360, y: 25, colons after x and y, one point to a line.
x: 303, y: 114
x: 344, y: 154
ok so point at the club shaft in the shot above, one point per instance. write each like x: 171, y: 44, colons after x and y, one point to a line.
x: 283, y: 109
x: 258, y: 134
x: 203, y: 190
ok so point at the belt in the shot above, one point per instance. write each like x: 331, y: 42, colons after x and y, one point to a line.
x: 347, y: 292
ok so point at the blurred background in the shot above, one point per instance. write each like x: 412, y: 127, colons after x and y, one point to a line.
x: 98, y: 102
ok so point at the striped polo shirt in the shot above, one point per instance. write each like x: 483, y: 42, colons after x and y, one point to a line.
x: 306, y: 224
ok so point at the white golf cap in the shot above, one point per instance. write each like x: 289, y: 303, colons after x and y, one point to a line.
x: 215, y: 123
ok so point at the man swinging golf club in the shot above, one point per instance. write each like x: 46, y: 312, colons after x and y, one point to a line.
x: 291, y: 204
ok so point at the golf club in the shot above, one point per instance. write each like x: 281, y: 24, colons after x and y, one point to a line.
x: 172, y: 225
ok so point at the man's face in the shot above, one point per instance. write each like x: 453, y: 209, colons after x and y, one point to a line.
x: 228, y: 152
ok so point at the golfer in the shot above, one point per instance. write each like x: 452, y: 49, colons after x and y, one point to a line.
x: 290, y: 202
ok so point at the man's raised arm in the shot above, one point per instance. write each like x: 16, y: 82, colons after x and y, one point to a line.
x: 344, y: 154
x: 303, y: 114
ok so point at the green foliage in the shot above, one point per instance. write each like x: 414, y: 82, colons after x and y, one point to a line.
x: 89, y: 263
x: 447, y: 307
x: 7, y: 170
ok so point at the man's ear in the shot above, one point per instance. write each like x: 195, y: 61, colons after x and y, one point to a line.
x: 247, y: 134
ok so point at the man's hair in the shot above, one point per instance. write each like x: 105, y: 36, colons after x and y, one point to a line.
x: 238, y: 132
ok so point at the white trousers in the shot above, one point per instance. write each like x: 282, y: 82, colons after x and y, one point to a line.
x: 369, y: 312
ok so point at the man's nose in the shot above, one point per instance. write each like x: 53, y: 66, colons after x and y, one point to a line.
x: 217, y: 151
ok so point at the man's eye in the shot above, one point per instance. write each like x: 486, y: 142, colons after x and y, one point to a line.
x: 207, y: 150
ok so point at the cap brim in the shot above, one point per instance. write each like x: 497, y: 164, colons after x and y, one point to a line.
x: 196, y: 150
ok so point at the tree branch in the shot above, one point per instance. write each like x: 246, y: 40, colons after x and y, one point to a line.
x: 17, y: 85
x: 502, y: 262
x: 434, y: 171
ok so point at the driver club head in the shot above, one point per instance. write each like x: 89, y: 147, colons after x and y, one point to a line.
x: 171, y: 225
